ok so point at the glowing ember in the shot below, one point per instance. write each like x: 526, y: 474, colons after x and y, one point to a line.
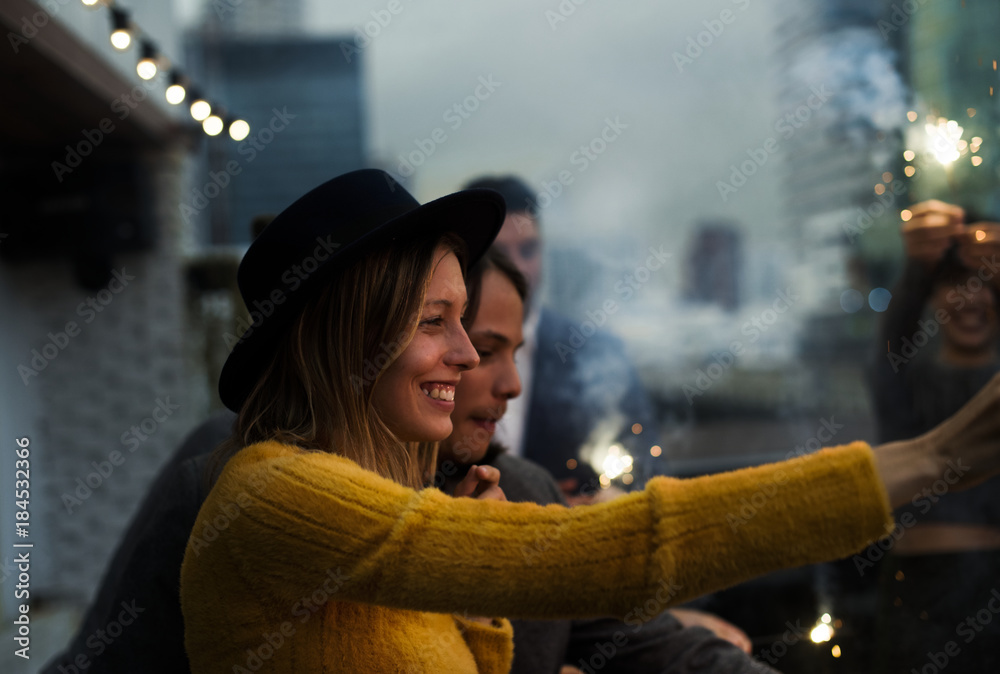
x: 944, y: 140
x: 821, y: 633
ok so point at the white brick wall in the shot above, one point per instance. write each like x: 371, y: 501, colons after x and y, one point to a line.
x: 109, y: 378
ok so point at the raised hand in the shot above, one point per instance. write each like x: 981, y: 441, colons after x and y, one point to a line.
x: 929, y: 234
x: 978, y: 248
x: 962, y: 451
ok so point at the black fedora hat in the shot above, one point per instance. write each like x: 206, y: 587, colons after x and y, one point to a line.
x: 336, y: 222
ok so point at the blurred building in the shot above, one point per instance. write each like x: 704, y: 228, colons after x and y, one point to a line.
x: 714, y: 265
x: 842, y: 109
x: 303, y: 99
x: 255, y: 17
x: 118, y: 304
x: 304, y: 102
x: 97, y: 373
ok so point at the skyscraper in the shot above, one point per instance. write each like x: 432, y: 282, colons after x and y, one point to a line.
x: 255, y: 17
x: 302, y: 99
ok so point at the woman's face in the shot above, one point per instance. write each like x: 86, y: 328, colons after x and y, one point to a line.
x: 483, y: 394
x: 415, y: 395
x: 972, y: 326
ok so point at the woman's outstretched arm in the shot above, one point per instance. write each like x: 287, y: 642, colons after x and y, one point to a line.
x: 281, y: 520
x: 959, y: 453
x: 314, y: 512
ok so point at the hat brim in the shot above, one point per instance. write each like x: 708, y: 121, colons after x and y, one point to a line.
x: 474, y: 215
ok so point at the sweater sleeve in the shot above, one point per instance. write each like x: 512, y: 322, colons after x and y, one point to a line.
x: 296, y: 516
x: 491, y: 645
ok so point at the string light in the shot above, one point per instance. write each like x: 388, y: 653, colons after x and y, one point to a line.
x: 124, y: 33
x: 200, y: 109
x: 121, y: 33
x: 239, y: 129
x: 146, y: 68
x: 213, y: 125
x: 176, y: 92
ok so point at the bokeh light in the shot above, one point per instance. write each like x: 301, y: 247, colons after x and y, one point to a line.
x: 878, y: 299
x: 851, y: 301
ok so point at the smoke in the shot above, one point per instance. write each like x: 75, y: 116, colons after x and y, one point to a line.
x: 860, y: 69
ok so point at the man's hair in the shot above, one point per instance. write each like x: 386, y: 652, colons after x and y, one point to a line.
x: 493, y: 259
x: 317, y: 391
x: 260, y: 222
x: 515, y: 192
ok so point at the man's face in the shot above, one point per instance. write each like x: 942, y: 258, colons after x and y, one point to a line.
x: 520, y: 240
x: 481, y: 397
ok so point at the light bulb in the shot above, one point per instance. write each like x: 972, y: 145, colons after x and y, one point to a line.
x: 239, y: 130
x: 200, y: 110
x: 213, y: 125
x: 175, y: 94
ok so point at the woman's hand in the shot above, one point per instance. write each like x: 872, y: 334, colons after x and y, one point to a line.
x: 929, y: 234
x: 978, y: 247
x: 962, y: 451
x: 969, y: 441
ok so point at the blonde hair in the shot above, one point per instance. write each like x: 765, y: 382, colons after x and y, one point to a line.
x: 317, y: 391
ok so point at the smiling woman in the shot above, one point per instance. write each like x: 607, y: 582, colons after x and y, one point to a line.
x: 324, y: 479
x: 400, y: 276
x: 416, y: 393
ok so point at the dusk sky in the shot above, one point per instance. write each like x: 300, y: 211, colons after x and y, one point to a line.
x: 562, y: 78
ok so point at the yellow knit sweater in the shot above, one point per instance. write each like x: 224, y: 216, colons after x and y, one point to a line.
x: 304, y: 562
